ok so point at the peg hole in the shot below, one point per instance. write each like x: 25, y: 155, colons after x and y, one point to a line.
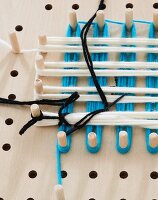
x: 91, y: 199
x: 11, y: 96
x: 30, y: 199
x: 75, y: 6
x: 1, y: 198
x: 9, y: 121
x: 18, y: 28
x: 155, y: 5
x: 14, y: 73
x: 154, y: 175
x: 32, y: 174
x: 48, y: 7
x: 63, y: 174
x: 129, y: 5
x: 6, y: 147
x: 93, y: 174
x: 123, y: 174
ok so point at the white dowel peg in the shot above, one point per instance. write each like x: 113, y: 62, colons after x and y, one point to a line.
x: 14, y: 42
x: 155, y: 20
x: 129, y: 18
x: 123, y: 139
x: 39, y: 62
x: 100, y: 19
x: 153, y: 140
x: 38, y: 86
x: 73, y: 19
x: 35, y: 110
x: 59, y: 192
x: 62, y: 140
x: 92, y: 139
x: 42, y: 39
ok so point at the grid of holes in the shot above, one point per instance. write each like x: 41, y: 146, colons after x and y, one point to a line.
x: 14, y: 73
x: 122, y: 175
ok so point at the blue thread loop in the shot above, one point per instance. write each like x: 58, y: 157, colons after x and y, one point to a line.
x: 125, y: 82
x: 91, y: 106
x: 151, y: 82
x: 69, y: 81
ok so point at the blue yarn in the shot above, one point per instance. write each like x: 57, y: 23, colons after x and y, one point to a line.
x: 91, y: 106
x: 151, y: 82
x: 118, y: 22
x: 58, y: 163
x: 69, y: 81
x: 123, y: 82
x: 142, y: 21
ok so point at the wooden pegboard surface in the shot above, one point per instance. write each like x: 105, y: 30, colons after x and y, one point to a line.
x: 36, y: 149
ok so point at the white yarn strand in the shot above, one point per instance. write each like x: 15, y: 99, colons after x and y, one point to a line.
x: 141, y: 119
x: 93, y: 97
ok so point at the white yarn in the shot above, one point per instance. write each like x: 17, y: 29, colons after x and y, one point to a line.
x: 108, y: 41
x: 93, y: 97
x: 102, y: 64
x: 136, y: 90
x: 96, y: 49
x: 85, y: 72
x: 141, y: 119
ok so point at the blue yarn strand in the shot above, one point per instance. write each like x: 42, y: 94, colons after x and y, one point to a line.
x: 69, y: 81
x: 151, y: 82
x: 58, y: 163
x: 91, y: 106
x: 126, y: 82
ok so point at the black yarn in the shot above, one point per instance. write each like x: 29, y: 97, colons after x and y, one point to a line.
x: 50, y: 102
x: 73, y: 97
x: 87, y: 55
x: 34, y: 120
x: 61, y: 116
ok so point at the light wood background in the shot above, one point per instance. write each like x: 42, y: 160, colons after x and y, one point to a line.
x: 36, y: 149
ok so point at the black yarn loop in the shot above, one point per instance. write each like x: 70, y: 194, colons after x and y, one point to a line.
x: 61, y: 116
x: 87, y: 55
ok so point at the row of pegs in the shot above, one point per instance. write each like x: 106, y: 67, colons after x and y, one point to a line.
x: 100, y: 18
x: 123, y: 139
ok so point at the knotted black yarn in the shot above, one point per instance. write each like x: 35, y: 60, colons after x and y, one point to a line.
x: 61, y: 116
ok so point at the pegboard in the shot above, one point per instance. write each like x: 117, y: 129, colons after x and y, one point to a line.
x: 28, y: 166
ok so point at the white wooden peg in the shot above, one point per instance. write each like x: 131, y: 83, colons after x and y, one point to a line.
x: 92, y: 139
x: 73, y: 19
x: 42, y: 39
x: 123, y: 139
x: 62, y: 140
x: 38, y: 86
x: 100, y: 19
x: 129, y: 18
x: 59, y: 192
x: 155, y: 20
x: 35, y: 110
x: 153, y: 140
x: 14, y: 42
x: 39, y: 62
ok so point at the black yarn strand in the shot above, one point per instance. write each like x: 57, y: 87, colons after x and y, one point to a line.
x: 57, y: 102
x: 87, y: 55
